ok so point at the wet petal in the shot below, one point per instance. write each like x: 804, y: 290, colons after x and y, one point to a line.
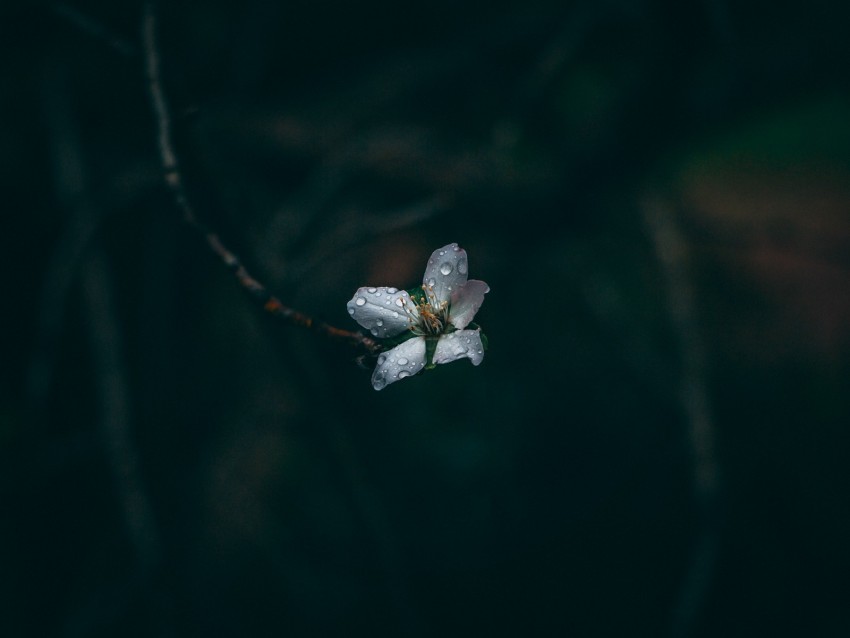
x: 466, y: 300
x: 459, y: 345
x: 447, y: 269
x: 405, y: 360
x: 383, y: 311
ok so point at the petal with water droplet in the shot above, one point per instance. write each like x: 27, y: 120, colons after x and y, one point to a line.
x: 466, y: 300
x: 459, y: 345
x: 381, y: 320
x: 444, y: 270
x: 390, y: 367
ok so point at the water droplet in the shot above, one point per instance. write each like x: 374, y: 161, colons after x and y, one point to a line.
x: 403, y: 374
x: 456, y: 248
x: 446, y: 268
x: 392, y: 291
x: 432, y: 282
x: 373, y: 290
x: 379, y: 323
x: 395, y: 315
x: 360, y: 301
x: 381, y: 359
x: 351, y: 311
x: 378, y: 383
x: 402, y: 361
x: 462, y: 266
x: 389, y: 301
x: 442, y: 252
x: 399, y: 303
x: 374, y: 332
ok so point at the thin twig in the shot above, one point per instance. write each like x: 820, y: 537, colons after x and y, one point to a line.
x: 113, y: 393
x: 671, y: 253
x: 578, y: 25
x: 174, y: 181
x: 78, y: 228
x: 359, y: 227
x: 111, y: 388
x: 95, y: 29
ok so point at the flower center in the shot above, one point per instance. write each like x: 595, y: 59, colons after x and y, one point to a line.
x: 428, y: 317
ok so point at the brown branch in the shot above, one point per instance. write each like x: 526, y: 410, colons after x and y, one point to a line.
x: 174, y: 181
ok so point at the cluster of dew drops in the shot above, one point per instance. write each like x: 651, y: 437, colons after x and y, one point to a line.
x: 361, y: 301
x: 445, y: 269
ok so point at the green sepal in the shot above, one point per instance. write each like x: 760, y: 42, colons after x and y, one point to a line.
x: 430, y: 349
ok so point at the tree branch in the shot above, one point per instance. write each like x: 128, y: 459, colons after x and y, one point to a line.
x: 174, y: 181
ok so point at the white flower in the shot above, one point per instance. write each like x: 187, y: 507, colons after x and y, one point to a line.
x: 436, y: 316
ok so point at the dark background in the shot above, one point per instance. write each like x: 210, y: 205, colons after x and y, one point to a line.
x: 656, y: 443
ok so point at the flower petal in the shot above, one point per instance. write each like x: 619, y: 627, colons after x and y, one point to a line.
x: 383, y: 311
x: 405, y: 360
x: 466, y: 300
x: 460, y: 344
x: 447, y: 268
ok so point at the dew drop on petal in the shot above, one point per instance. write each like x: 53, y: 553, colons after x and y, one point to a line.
x: 374, y: 332
x: 462, y: 266
x: 373, y: 290
x: 379, y: 323
x: 379, y: 383
x: 403, y: 374
x: 360, y: 301
x: 432, y: 282
x: 446, y: 268
x: 395, y: 315
x: 351, y: 311
x: 392, y: 291
x: 399, y: 303
x: 381, y: 359
x: 402, y: 361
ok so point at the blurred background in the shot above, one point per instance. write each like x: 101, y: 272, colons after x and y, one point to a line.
x: 656, y: 443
